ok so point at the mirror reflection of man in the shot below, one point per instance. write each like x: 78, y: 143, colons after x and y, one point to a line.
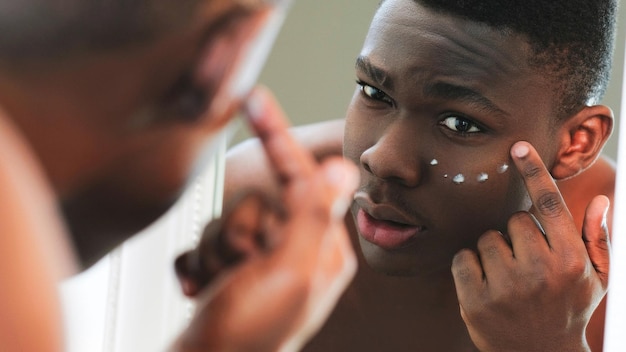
x: 106, y: 107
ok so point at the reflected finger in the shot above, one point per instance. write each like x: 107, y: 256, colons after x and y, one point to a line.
x: 287, y: 157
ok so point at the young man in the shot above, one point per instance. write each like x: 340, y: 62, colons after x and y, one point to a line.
x: 446, y: 90
x: 105, y: 110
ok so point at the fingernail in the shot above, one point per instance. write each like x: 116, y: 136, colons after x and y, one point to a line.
x: 255, y: 106
x: 605, y: 223
x: 520, y: 150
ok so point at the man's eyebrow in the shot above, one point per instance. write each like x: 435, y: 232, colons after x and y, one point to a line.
x: 447, y: 91
x: 378, y: 75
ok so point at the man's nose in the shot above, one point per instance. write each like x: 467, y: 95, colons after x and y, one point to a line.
x: 395, y: 156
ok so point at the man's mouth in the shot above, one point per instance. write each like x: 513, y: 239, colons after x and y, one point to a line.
x: 386, y: 234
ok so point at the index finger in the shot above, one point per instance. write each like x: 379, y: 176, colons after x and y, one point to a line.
x: 286, y: 156
x: 550, y: 209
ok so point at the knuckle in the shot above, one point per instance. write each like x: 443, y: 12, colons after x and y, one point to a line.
x: 522, y: 226
x: 603, y: 243
x: 549, y: 204
x: 462, y: 274
x: 576, y: 268
x: 460, y: 268
x: 488, y: 244
x: 532, y: 171
x: 519, y: 217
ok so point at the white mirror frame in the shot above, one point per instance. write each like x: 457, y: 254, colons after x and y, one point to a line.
x: 615, y: 340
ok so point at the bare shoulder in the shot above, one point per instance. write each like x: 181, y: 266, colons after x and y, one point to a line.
x: 323, y: 139
x: 247, y: 166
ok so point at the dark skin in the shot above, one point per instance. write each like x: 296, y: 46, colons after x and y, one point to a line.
x: 464, y: 94
x: 409, y: 115
x: 394, y: 130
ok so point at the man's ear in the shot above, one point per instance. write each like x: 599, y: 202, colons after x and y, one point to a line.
x: 582, y: 137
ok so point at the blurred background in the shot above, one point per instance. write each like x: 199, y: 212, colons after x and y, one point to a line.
x: 311, y: 68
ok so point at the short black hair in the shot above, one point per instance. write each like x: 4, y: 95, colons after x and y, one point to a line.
x: 44, y: 29
x: 571, y: 40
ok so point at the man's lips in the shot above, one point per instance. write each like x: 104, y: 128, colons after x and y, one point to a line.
x: 383, y: 226
x: 385, y: 234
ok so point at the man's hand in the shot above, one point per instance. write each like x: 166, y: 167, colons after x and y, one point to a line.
x: 537, y: 290
x: 285, y: 266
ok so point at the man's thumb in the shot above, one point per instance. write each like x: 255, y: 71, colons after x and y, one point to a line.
x: 596, y: 236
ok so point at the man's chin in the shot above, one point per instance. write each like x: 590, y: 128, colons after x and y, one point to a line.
x: 403, y: 263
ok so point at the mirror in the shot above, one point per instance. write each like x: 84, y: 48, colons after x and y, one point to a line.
x: 321, y: 54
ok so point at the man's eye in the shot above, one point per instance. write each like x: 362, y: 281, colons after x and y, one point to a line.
x: 460, y: 125
x: 374, y: 93
x: 186, y: 100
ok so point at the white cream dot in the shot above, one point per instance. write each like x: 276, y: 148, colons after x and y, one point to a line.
x: 458, y: 179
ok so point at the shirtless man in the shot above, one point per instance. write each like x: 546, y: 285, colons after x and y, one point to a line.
x: 446, y: 91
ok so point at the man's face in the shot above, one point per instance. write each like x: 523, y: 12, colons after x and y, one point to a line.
x: 119, y: 132
x: 439, y: 103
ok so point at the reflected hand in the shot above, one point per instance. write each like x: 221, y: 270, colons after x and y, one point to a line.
x: 279, y: 270
x: 538, y: 291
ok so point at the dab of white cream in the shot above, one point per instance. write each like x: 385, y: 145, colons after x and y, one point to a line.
x: 434, y: 162
x: 502, y: 169
x: 458, y: 179
x: 445, y: 176
x: 482, y: 177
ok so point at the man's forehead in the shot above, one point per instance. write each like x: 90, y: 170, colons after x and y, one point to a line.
x: 408, y: 30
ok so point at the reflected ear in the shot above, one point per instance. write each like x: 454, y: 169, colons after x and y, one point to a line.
x: 582, y: 137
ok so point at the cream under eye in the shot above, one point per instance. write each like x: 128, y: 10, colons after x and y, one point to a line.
x: 460, y: 125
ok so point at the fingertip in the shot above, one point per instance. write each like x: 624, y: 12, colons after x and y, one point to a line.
x: 257, y: 104
x: 461, y: 258
x: 599, y: 207
x: 520, y: 150
x: 263, y: 111
x: 254, y: 105
x: 464, y: 266
x: 342, y: 174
